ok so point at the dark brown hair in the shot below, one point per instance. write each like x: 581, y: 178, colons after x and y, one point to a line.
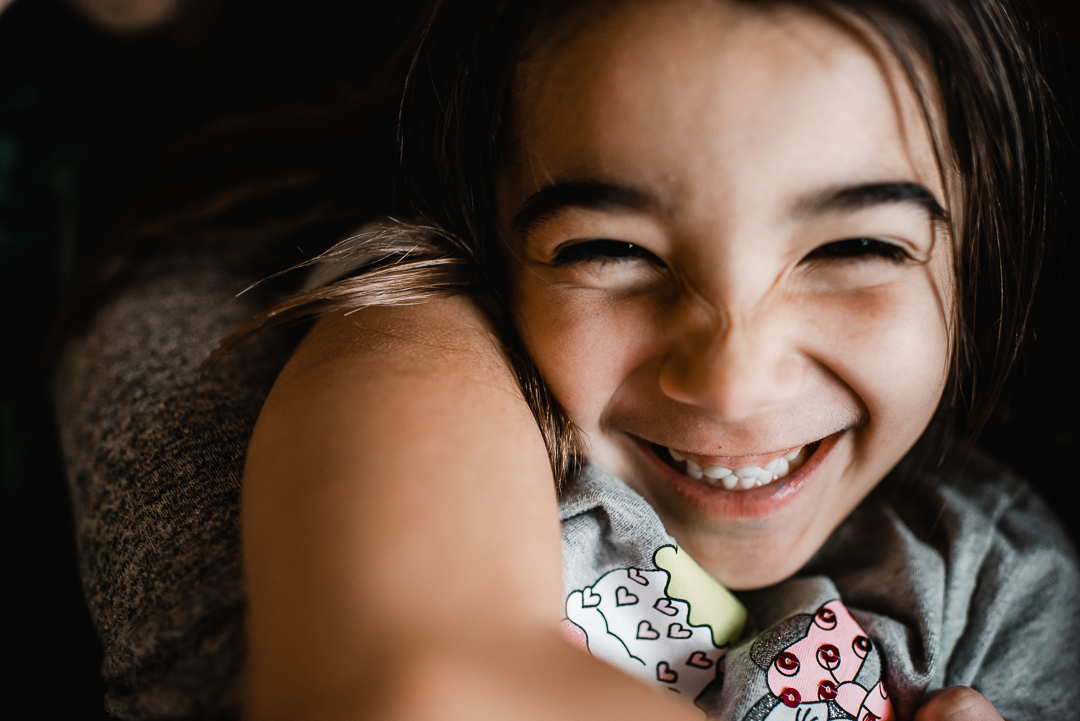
x: 994, y: 135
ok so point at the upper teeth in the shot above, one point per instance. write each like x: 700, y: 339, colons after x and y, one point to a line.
x: 744, y: 477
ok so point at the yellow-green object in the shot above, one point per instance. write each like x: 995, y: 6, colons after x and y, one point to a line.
x: 710, y: 603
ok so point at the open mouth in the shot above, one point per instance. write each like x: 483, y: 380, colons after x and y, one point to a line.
x: 737, y: 474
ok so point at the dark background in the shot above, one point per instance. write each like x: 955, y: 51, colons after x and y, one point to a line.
x: 83, y: 116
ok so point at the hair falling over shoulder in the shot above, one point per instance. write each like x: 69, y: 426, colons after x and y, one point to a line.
x: 397, y: 263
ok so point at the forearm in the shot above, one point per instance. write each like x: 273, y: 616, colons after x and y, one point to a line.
x: 402, y: 545
x: 526, y: 676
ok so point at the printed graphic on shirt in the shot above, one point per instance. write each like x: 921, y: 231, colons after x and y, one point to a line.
x: 820, y: 667
x: 667, y: 626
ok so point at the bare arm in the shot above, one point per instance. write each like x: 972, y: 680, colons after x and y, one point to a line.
x: 402, y: 544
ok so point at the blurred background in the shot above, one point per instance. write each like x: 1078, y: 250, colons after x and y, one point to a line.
x: 93, y: 93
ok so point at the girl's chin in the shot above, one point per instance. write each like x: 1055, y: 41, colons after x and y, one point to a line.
x: 709, y: 498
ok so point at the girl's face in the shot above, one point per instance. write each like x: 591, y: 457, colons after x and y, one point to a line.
x: 726, y: 244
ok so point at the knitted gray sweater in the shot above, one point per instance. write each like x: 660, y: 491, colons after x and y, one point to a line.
x: 155, y: 452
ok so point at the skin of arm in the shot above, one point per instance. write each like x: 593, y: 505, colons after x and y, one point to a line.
x: 401, y: 538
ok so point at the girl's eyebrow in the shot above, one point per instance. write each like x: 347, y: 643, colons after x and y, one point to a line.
x: 588, y: 194
x: 857, y: 197
x: 613, y: 197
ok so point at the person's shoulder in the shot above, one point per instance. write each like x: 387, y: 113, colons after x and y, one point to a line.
x: 1014, y: 582
x: 980, y: 533
x: 1008, y: 568
x: 986, y: 498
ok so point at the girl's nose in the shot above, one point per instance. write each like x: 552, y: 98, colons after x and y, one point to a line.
x: 733, y: 370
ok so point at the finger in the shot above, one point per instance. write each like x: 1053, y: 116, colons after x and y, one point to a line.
x: 958, y: 703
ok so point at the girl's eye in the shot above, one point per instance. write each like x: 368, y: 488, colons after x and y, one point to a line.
x: 603, y: 250
x: 859, y: 248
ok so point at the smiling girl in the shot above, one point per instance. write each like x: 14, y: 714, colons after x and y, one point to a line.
x: 711, y: 266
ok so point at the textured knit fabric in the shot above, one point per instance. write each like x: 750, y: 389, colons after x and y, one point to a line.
x: 971, y: 584
x: 155, y: 452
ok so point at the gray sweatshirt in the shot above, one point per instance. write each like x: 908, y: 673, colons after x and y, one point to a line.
x: 969, y: 584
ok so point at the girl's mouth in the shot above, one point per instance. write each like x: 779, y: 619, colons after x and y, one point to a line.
x: 740, y: 473
x: 740, y: 487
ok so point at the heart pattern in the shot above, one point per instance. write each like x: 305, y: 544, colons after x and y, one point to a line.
x: 630, y: 621
x: 663, y: 605
x: 698, y: 659
x: 646, y: 632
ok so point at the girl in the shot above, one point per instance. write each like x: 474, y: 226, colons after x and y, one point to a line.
x: 711, y: 267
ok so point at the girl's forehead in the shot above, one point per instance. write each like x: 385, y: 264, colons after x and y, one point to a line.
x: 672, y: 93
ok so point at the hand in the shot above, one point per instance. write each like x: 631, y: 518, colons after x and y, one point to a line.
x: 958, y: 703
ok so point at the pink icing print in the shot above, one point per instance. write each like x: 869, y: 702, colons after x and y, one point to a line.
x: 823, y: 666
x: 877, y: 703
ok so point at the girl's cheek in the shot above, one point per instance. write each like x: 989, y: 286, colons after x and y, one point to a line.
x: 890, y: 345
x: 585, y: 343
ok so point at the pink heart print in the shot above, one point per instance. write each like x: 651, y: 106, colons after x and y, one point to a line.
x: 699, y: 660
x: 665, y: 673
x: 627, y: 619
x: 663, y: 605
x: 677, y: 630
x: 646, y: 632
